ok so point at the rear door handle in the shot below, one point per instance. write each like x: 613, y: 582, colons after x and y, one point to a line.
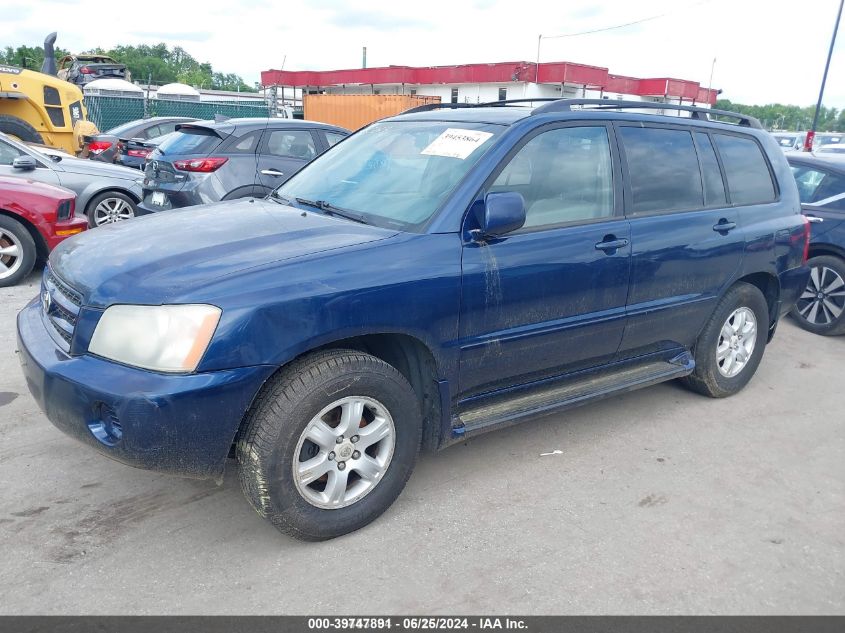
x: 611, y: 244
x: 272, y: 172
x: 723, y: 226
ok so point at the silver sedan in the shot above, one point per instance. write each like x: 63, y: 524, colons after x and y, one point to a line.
x: 104, y: 193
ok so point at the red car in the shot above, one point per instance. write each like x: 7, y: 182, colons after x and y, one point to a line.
x: 34, y: 218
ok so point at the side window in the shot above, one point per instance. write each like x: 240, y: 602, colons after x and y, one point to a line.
x: 808, y: 181
x: 832, y: 186
x: 8, y: 153
x: 291, y: 144
x: 749, y: 181
x: 565, y: 175
x: 663, y: 169
x: 333, y: 137
x: 246, y: 144
x: 714, y: 188
x: 151, y: 132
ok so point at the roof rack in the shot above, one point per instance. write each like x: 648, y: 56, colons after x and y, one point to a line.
x: 554, y: 104
x: 702, y: 114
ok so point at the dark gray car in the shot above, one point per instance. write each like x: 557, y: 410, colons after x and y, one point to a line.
x: 210, y: 161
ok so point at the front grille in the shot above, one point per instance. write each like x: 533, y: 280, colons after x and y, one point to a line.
x: 60, y: 306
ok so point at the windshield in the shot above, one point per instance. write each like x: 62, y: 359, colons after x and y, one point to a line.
x: 394, y: 174
x: 785, y: 141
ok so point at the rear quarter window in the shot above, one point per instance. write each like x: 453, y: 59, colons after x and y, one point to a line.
x: 747, y: 172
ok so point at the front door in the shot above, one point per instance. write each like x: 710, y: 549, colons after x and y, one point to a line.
x: 549, y: 298
x: 42, y: 173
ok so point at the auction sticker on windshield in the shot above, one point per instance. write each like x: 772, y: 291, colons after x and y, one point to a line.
x: 456, y: 143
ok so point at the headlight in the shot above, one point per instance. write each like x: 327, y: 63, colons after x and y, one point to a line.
x: 164, y: 338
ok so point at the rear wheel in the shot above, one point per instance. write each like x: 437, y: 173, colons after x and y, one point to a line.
x: 17, y: 251
x: 20, y: 129
x: 329, y: 444
x: 731, y: 345
x: 110, y: 207
x: 821, y: 308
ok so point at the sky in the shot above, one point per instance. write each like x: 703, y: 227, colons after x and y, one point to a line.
x: 765, y: 51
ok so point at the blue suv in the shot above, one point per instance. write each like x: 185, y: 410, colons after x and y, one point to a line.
x: 434, y: 276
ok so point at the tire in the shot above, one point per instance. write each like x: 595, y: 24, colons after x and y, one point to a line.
x: 13, y: 126
x: 714, y: 377
x: 824, y: 314
x: 273, y: 443
x: 110, y: 207
x: 17, y: 251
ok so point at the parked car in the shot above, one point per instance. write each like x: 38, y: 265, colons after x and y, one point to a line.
x: 85, y: 68
x: 790, y: 141
x: 436, y: 275
x: 830, y: 149
x: 34, y: 218
x: 238, y: 158
x: 828, y: 139
x: 821, y: 187
x: 134, y: 151
x: 105, y: 193
x: 107, y: 146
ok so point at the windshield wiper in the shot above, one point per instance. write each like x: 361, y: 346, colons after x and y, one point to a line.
x: 329, y: 209
x: 279, y: 198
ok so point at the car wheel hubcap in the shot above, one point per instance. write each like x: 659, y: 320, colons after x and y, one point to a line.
x: 11, y: 254
x: 112, y: 210
x: 823, y: 300
x: 737, y: 340
x: 344, y: 452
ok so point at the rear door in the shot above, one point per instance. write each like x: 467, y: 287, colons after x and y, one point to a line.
x: 284, y: 152
x: 687, y: 244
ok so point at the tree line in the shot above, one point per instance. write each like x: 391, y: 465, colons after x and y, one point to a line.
x: 777, y: 116
x: 158, y: 63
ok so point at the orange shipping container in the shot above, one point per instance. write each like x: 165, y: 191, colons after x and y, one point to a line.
x: 356, y: 111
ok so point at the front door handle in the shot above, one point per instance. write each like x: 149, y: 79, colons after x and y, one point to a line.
x: 723, y: 226
x: 812, y: 219
x: 610, y: 243
x: 272, y: 172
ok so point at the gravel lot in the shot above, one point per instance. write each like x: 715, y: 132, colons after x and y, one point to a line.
x: 661, y: 502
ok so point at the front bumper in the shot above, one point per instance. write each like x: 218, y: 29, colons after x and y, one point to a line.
x: 178, y: 424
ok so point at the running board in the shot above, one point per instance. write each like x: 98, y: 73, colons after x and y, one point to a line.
x: 554, y: 398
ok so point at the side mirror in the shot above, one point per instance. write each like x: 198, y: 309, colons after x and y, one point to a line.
x: 24, y: 163
x: 501, y: 213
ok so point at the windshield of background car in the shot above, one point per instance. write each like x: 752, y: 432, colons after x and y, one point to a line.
x: 122, y: 129
x: 394, y: 174
x: 190, y: 141
x: 785, y: 141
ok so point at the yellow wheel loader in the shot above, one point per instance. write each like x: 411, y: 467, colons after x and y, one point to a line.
x: 41, y: 108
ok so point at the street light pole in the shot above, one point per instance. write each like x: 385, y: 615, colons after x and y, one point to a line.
x: 808, y: 142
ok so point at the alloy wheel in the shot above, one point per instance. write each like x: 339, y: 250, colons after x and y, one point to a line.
x: 737, y: 340
x: 823, y: 300
x: 344, y: 452
x: 112, y: 210
x: 11, y: 254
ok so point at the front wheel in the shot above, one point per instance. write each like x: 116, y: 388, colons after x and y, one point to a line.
x: 17, y: 251
x: 821, y: 308
x: 329, y: 444
x: 731, y: 345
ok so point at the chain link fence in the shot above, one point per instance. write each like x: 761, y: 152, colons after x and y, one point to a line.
x: 108, y: 112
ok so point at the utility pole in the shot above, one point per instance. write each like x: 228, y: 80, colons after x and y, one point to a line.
x: 364, y: 58
x: 808, y: 142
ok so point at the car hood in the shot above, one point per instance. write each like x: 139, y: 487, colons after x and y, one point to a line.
x: 152, y: 259
x: 95, y: 168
